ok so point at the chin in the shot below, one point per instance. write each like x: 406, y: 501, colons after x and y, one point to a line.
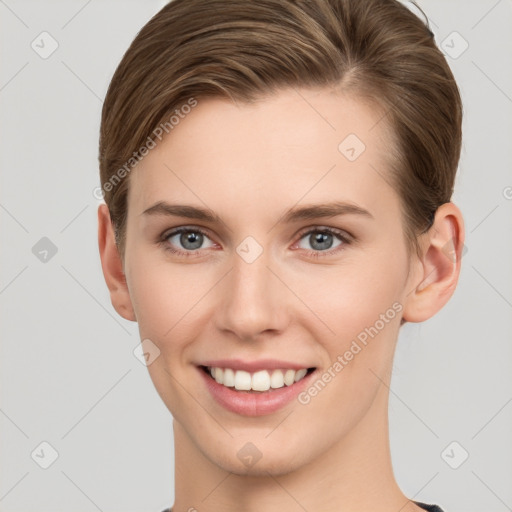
x: 250, y: 461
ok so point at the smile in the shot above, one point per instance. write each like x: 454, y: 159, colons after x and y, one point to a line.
x: 259, y: 381
x: 254, y: 393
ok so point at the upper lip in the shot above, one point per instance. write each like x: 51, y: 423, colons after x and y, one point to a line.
x: 254, y: 366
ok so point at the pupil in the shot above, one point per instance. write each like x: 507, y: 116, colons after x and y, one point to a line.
x: 321, y: 238
x: 191, y: 238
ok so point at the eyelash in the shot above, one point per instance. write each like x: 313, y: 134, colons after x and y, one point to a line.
x: 163, y: 241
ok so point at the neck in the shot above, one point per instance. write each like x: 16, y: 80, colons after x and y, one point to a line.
x: 354, y: 474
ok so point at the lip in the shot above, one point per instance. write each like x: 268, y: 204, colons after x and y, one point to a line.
x: 254, y: 404
x: 254, y: 366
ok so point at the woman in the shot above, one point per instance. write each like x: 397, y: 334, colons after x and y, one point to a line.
x: 277, y: 178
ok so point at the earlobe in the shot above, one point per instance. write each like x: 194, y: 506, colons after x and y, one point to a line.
x: 112, y: 266
x: 437, y: 273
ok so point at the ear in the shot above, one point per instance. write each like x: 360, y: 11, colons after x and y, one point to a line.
x: 436, y: 273
x: 112, y: 266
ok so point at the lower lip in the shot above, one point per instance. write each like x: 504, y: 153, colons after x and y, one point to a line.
x: 254, y: 404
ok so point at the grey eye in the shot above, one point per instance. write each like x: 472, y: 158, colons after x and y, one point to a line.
x: 188, y: 239
x: 320, y: 240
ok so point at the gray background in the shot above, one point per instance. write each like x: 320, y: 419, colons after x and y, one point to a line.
x: 68, y: 373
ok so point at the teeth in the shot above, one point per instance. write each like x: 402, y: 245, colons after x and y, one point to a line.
x: 289, y: 377
x: 242, y: 381
x: 229, y: 377
x: 277, y: 379
x: 300, y: 374
x: 219, y: 373
x: 261, y: 380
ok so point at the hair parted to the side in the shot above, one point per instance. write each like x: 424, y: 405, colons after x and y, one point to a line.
x: 372, y: 49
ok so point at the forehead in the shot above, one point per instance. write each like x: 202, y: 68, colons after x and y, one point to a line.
x: 277, y: 150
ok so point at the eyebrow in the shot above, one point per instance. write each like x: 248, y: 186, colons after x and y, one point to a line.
x: 308, y: 212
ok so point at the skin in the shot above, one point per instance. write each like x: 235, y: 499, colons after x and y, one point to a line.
x: 250, y: 164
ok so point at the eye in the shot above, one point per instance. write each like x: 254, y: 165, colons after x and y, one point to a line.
x: 191, y: 239
x: 321, y: 240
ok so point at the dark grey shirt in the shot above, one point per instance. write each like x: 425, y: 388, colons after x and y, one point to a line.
x: 428, y: 508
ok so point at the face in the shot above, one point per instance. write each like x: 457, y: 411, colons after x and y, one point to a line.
x: 268, y: 283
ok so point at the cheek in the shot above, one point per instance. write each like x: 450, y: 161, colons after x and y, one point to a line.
x: 363, y: 309
x: 169, y: 300
x: 353, y: 295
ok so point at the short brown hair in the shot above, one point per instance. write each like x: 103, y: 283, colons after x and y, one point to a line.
x: 243, y: 50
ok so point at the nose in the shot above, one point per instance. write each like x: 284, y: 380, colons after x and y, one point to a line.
x: 252, y: 300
